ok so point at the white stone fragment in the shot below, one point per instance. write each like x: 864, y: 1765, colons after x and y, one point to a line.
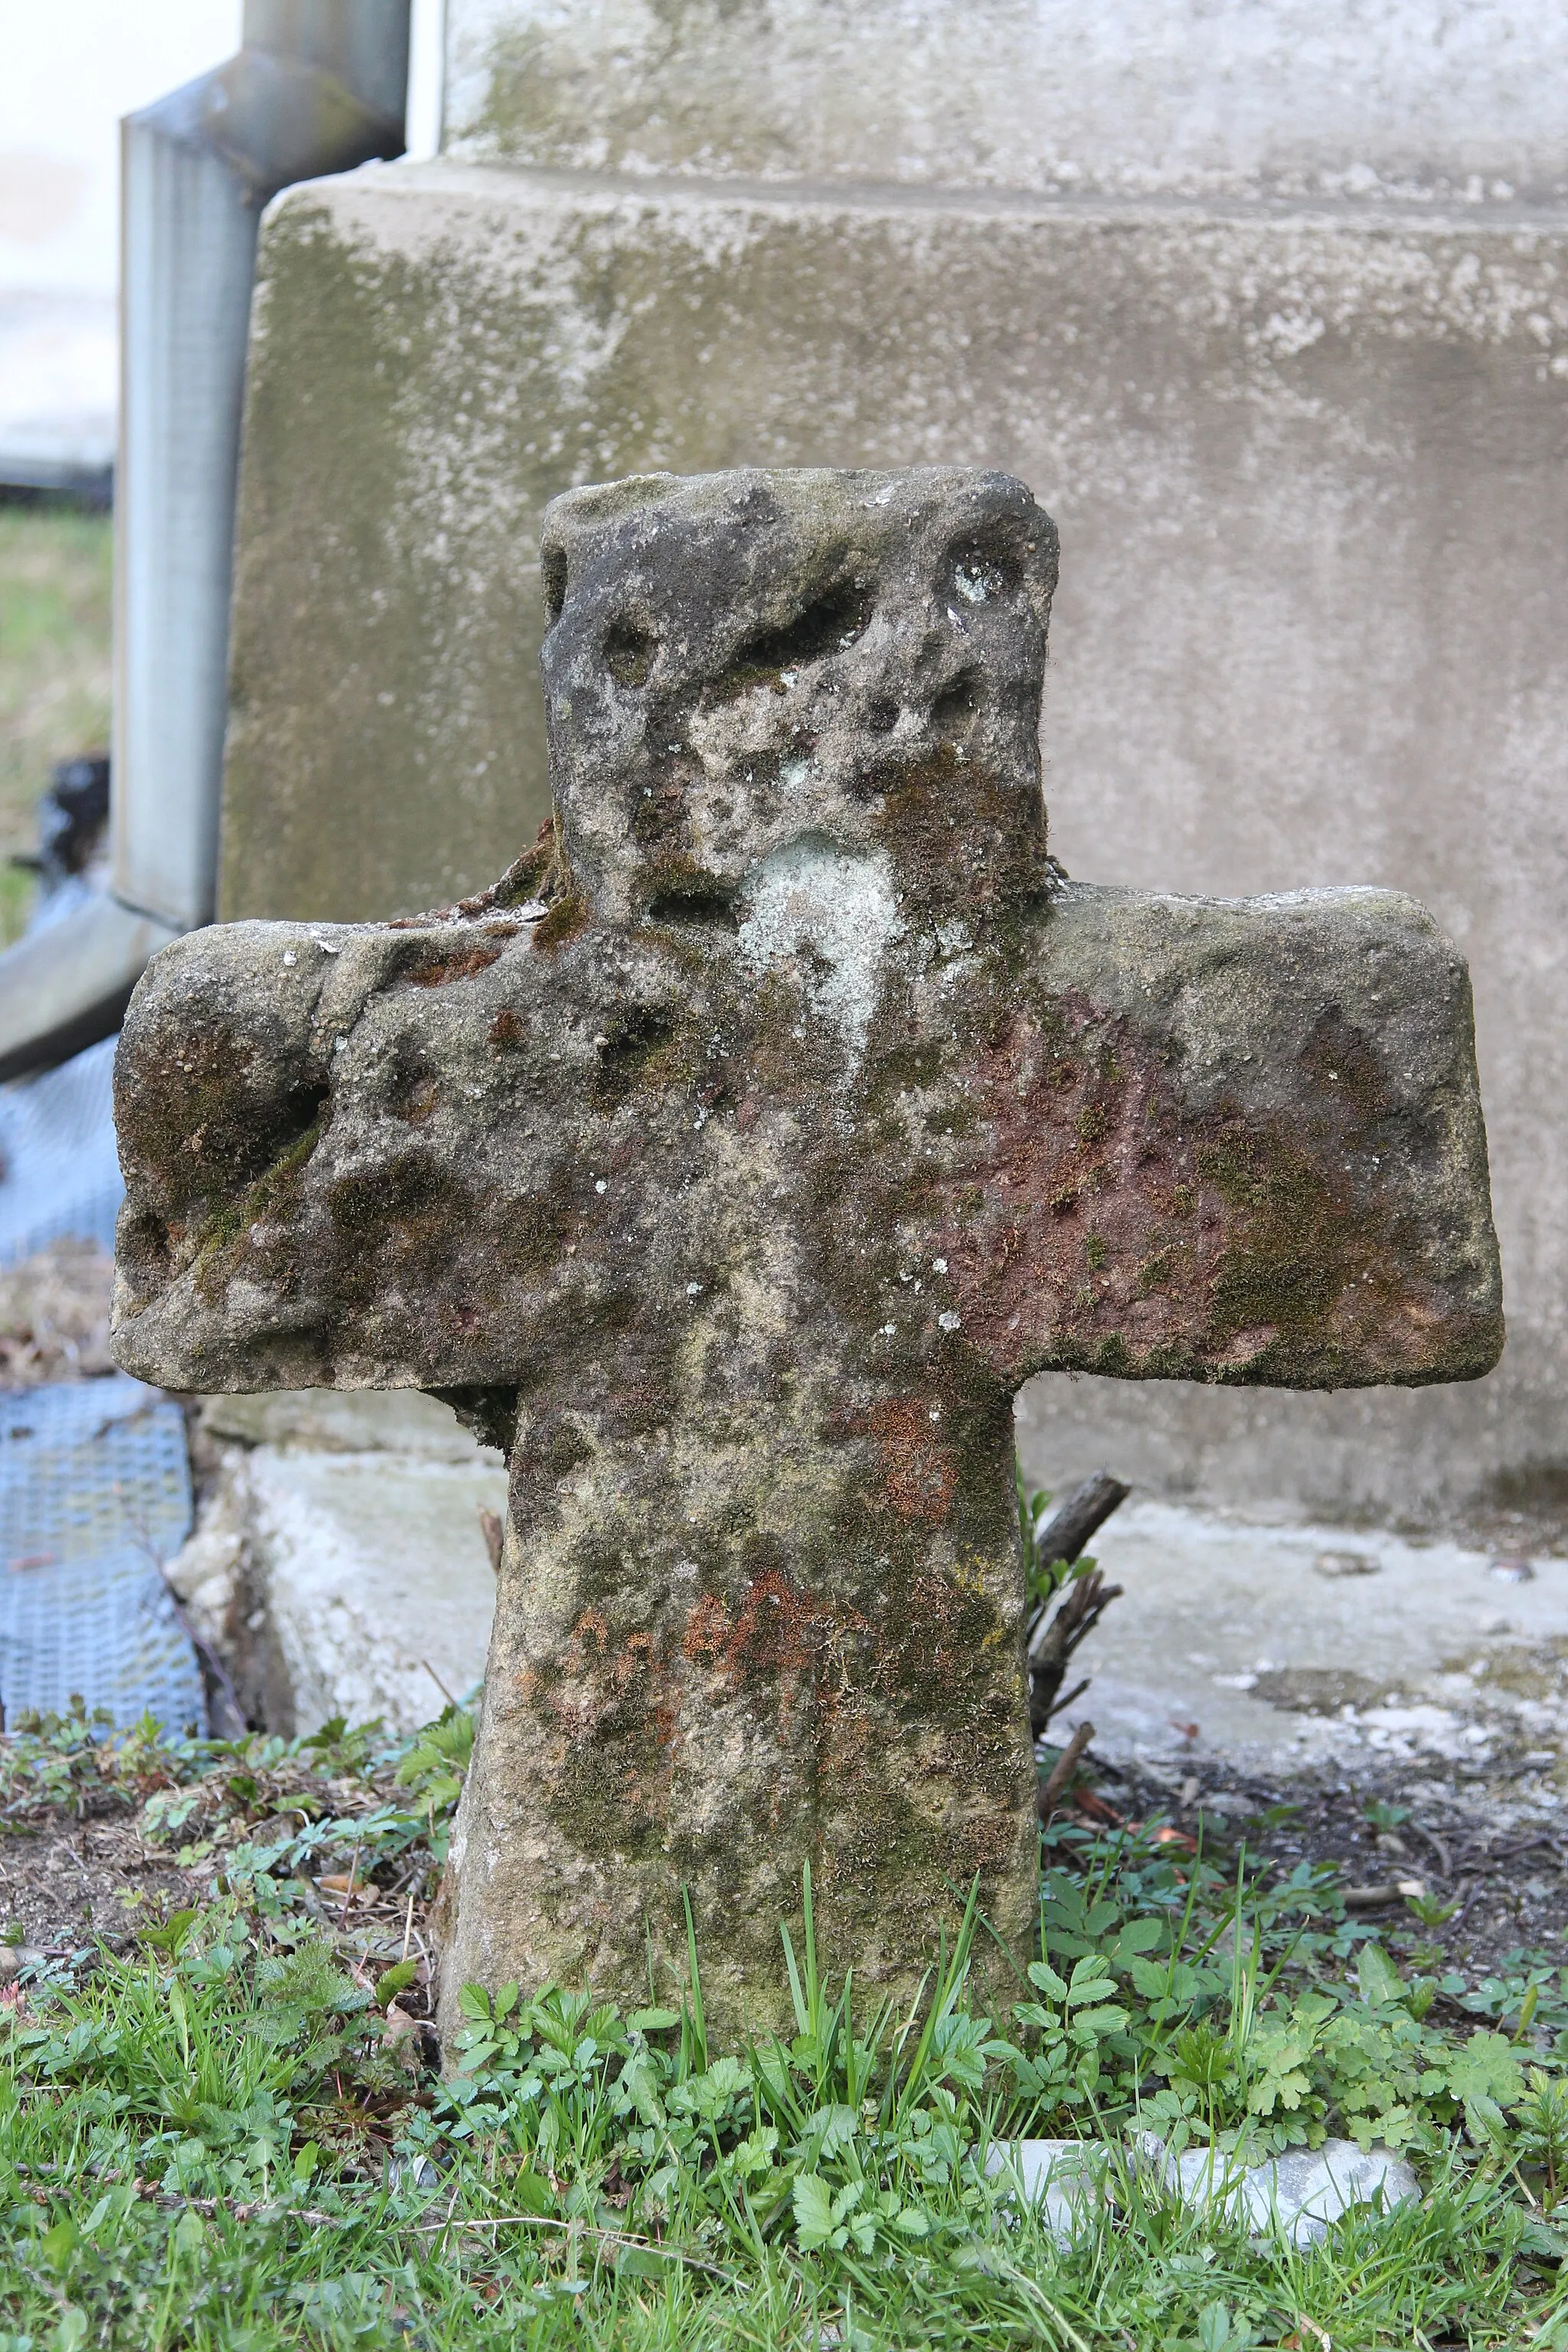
x: 1066, y: 2178
x: 1299, y: 2195
x: 205, y: 1571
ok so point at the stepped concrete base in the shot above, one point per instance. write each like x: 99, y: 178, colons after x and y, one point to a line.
x: 340, y: 1566
x: 1276, y: 1650
x: 1306, y: 461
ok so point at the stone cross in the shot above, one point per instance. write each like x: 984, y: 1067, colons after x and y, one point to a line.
x: 733, y: 1161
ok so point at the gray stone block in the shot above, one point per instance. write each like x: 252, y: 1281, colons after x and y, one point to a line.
x: 1282, y: 97
x: 375, y: 1579
x: 405, y: 1422
x: 1307, y: 466
x: 339, y: 1564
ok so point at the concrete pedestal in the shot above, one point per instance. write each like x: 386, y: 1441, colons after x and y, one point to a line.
x: 1308, y: 465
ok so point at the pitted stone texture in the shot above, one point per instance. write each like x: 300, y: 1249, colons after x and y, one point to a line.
x: 737, y: 663
x: 736, y: 1158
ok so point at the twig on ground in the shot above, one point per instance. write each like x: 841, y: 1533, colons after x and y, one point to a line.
x: 438, y: 1683
x: 1085, y: 1511
x: 581, y: 2230
x: 1378, y: 1897
x: 1062, y: 1771
x: 1445, y: 1861
x: 1067, y: 1615
x: 1521, y: 1845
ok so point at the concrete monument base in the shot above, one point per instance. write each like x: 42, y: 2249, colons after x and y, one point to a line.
x: 339, y: 1565
x: 1305, y: 460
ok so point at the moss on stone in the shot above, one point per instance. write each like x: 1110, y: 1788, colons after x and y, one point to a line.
x: 569, y: 915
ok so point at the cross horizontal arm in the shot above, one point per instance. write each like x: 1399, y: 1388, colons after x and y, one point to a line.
x: 1236, y: 1140
x: 309, y: 1117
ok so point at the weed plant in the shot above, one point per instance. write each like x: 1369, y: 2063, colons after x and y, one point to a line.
x: 230, y: 2132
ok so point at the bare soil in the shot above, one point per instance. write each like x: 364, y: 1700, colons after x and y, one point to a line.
x: 64, y: 1884
x: 1508, y: 1876
x: 54, y: 1315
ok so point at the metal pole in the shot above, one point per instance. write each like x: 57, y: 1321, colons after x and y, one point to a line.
x: 319, y: 86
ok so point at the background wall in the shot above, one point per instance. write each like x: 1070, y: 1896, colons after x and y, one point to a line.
x: 1409, y: 98
x: 1285, y: 352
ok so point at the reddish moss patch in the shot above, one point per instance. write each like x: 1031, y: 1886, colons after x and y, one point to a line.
x: 779, y: 1630
x: 1118, y: 1235
x: 919, y: 1472
x: 460, y: 963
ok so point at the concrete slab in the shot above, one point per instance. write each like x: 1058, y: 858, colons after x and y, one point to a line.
x: 347, y: 1420
x: 1409, y: 98
x: 376, y: 1582
x: 339, y: 1563
x: 1277, y: 1649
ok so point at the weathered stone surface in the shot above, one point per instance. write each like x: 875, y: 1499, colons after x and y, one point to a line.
x: 1281, y: 99
x: 738, y: 1157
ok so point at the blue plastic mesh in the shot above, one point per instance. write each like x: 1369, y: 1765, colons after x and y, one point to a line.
x: 59, y: 1170
x: 95, y: 1494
